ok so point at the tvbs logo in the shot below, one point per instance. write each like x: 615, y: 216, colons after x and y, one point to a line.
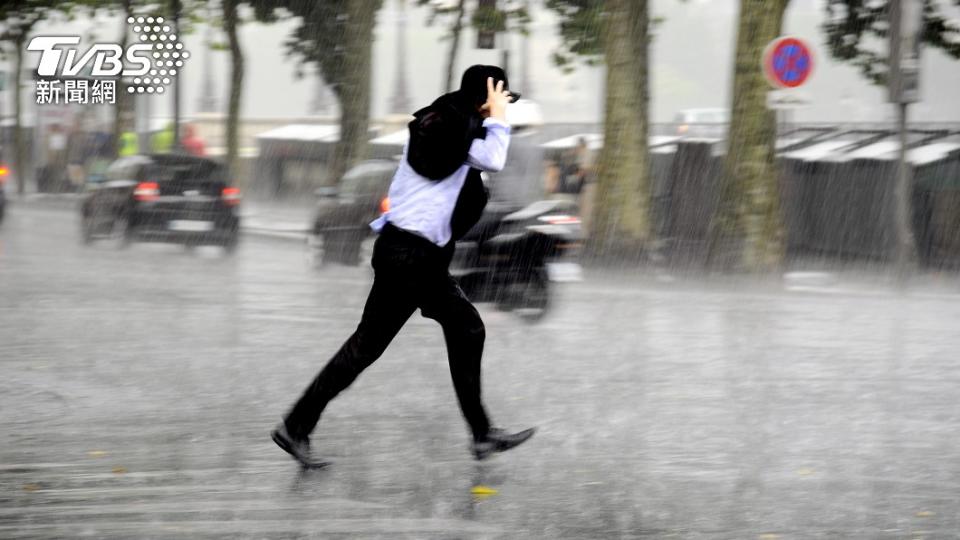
x: 148, y: 65
x: 106, y: 58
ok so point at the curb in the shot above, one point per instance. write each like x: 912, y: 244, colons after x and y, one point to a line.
x: 46, y: 200
x: 285, y: 236
x: 71, y: 201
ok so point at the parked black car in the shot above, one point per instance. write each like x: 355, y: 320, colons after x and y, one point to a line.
x: 162, y: 198
x: 342, y: 221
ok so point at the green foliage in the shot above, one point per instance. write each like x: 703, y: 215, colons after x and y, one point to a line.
x: 265, y: 11
x: 581, y: 24
x: 320, y: 37
x: 491, y: 19
x: 856, y: 32
x: 437, y: 11
x: 20, y: 16
x: 581, y: 30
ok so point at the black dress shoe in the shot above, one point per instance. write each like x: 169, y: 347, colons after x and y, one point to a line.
x: 299, y: 448
x: 498, y: 440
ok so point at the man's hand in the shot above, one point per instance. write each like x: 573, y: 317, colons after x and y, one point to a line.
x: 497, y: 99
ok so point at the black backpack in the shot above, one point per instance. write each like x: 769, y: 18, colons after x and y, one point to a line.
x: 440, y: 138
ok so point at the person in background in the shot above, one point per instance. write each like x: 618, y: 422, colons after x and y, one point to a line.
x: 551, y: 177
x: 79, y: 149
x: 569, y: 174
x: 101, y: 158
x: 129, y: 144
x: 191, y: 142
x: 101, y: 140
x: 583, y: 160
x: 57, y: 147
x: 52, y: 176
x: 162, y: 142
x: 586, y: 174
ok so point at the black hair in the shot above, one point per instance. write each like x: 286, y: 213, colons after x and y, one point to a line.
x: 473, y: 84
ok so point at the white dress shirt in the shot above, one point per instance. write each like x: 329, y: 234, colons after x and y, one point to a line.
x: 423, y: 206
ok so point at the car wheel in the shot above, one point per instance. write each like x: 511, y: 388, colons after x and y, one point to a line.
x: 121, y: 234
x: 230, y: 245
x: 313, y: 251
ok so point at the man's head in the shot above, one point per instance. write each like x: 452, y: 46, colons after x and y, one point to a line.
x: 473, y: 84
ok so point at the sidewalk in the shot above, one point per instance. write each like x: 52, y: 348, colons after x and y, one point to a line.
x: 277, y: 219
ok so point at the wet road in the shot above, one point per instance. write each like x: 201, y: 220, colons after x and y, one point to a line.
x: 138, y: 386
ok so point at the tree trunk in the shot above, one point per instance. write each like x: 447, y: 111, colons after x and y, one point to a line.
x: 236, y: 81
x: 747, y: 230
x: 123, y: 109
x: 353, y: 90
x: 454, y: 46
x: 19, y: 150
x: 621, y: 214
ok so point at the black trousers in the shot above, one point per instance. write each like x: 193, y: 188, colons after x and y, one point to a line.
x: 410, y: 272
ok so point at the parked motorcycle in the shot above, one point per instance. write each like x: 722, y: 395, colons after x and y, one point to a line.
x: 506, y: 257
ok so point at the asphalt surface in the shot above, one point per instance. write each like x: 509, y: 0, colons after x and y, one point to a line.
x: 138, y: 387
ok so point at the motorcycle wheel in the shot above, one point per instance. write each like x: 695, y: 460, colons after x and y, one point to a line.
x: 87, y: 232
x: 533, y: 299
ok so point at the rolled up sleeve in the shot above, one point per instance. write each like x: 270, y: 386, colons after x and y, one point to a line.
x: 490, y: 153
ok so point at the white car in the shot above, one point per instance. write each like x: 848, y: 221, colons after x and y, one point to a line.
x: 710, y: 123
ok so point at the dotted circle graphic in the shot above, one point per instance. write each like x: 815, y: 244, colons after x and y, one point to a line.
x: 167, y: 53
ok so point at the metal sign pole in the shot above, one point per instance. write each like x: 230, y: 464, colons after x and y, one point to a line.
x: 906, y: 19
x: 905, y: 242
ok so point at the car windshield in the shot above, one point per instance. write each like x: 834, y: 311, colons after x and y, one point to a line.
x: 366, y: 178
x: 183, y: 171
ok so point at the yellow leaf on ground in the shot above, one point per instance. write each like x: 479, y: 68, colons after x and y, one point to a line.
x: 483, y: 490
x: 119, y: 469
x: 925, y: 513
x: 96, y: 453
x: 31, y: 487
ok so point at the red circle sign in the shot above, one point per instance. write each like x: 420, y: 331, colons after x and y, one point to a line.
x: 787, y: 62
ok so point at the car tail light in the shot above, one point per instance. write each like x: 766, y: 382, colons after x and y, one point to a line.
x: 560, y: 219
x: 147, y: 191
x: 385, y: 205
x: 230, y: 196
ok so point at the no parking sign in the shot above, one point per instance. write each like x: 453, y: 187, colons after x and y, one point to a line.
x: 787, y: 62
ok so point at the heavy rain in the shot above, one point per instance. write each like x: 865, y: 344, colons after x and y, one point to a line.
x: 549, y: 269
